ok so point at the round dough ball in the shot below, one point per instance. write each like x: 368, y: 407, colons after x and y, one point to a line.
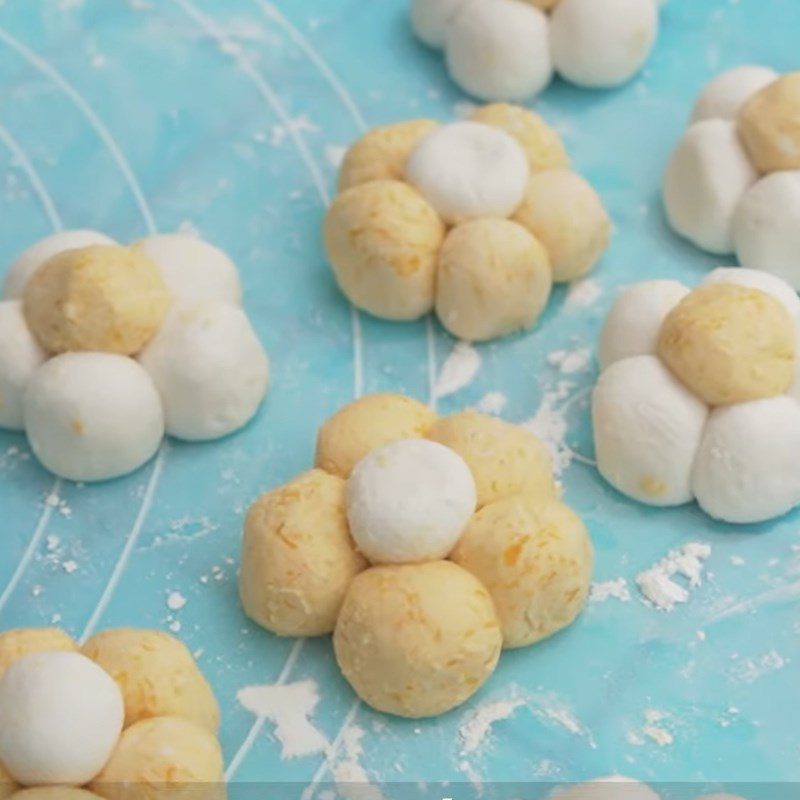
x: 430, y: 18
x: 417, y: 640
x: 297, y: 556
x: 542, y: 144
x: 724, y: 96
x: 602, y: 44
x: 567, y: 216
x: 366, y: 424
x: 193, y: 270
x: 210, y: 369
x: 535, y: 558
x: 15, y: 644
x: 468, y: 170
x: 93, y: 416
x: 409, y: 501
x: 647, y: 429
x: 54, y: 793
x: 382, y: 239
x: 99, y: 298
x: 381, y: 154
x: 499, y: 50
x: 30, y: 260
x: 730, y: 344
x: 494, y: 279
x: 157, y: 675
x: 704, y: 181
x: 20, y: 357
x: 746, y: 469
x: 758, y: 279
x: 60, y: 718
x: 769, y: 124
x: 504, y: 459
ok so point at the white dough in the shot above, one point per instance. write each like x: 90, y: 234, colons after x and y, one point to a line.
x: 210, y: 369
x: 33, y: 257
x: 647, y: 428
x: 746, y: 468
x: 723, y: 97
x: 60, y: 718
x: 20, y: 357
x: 705, y: 179
x: 469, y: 170
x: 430, y: 18
x: 633, y: 325
x: 93, y: 416
x: 409, y: 501
x: 758, y: 279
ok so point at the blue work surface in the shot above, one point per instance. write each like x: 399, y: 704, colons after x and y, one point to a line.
x: 228, y: 117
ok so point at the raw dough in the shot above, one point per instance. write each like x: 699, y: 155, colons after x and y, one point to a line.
x: 724, y: 96
x: 430, y: 18
x: 758, y: 279
x: 14, y: 644
x: 55, y: 793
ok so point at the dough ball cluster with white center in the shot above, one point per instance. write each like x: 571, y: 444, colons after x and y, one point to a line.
x: 510, y: 49
x: 424, y: 544
x: 698, y: 396
x: 474, y: 220
x: 105, y: 348
x: 732, y: 184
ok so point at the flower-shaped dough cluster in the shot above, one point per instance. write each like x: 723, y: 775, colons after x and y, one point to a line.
x: 698, y: 395
x: 148, y: 718
x: 104, y: 349
x: 733, y: 182
x: 474, y: 219
x: 509, y: 49
x: 424, y: 544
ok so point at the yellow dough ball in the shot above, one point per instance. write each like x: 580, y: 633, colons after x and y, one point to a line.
x: 7, y: 784
x: 541, y: 143
x: 298, y: 558
x: 567, y: 216
x: 769, y: 124
x: 157, y: 675
x: 163, y: 757
x: 383, y: 241
x: 366, y: 424
x: 382, y: 153
x: 417, y: 640
x: 494, y: 279
x: 730, y: 344
x: 23, y: 641
x: 54, y: 793
x: 535, y: 558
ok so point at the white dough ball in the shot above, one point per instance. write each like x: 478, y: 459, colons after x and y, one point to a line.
x: 409, y: 501
x: 60, y: 718
x: 647, y: 429
x: 724, y: 96
x: 430, y: 18
x: 28, y: 261
x: 746, y: 468
x: 602, y: 44
x: 210, y: 369
x: 92, y: 416
x: 633, y: 325
x: 469, y: 170
x: 20, y: 357
x: 499, y: 50
x: 766, y: 226
x: 705, y: 179
x: 193, y: 269
x: 758, y: 279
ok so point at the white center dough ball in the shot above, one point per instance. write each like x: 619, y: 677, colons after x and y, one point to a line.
x: 93, y: 416
x: 724, y: 96
x: 60, y: 718
x: 705, y: 179
x: 210, y: 369
x: 31, y: 259
x: 430, y: 18
x: 758, y: 279
x: 647, y: 430
x: 409, y: 501
x: 602, y: 44
x: 468, y: 170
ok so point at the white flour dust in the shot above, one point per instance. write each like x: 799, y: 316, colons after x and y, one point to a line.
x: 658, y: 585
x: 477, y: 726
x: 458, y: 370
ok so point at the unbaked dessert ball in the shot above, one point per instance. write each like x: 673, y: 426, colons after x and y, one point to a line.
x: 14, y: 644
x: 724, y: 96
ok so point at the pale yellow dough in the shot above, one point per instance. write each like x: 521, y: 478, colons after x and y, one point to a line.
x: 21, y: 642
x: 157, y: 675
x: 730, y: 344
x: 55, y: 793
x: 417, y: 640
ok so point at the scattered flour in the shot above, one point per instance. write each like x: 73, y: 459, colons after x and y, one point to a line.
x: 657, y: 585
x: 752, y: 669
x: 583, y: 294
x: 550, y: 425
x: 492, y: 403
x: 458, y: 370
x: 175, y: 601
x: 478, y: 724
x: 616, y: 589
x: 571, y: 361
x: 334, y: 154
x: 351, y: 778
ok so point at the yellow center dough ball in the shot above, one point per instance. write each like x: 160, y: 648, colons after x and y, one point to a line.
x: 535, y: 558
x: 417, y: 640
x: 157, y: 675
x: 730, y: 344
x: 769, y: 124
x: 103, y: 298
x: 55, y: 793
x: 23, y: 641
x: 298, y: 558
